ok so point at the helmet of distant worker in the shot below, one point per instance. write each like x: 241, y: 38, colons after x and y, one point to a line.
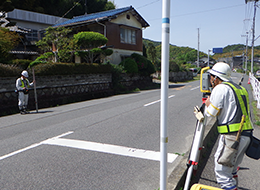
x: 25, y: 74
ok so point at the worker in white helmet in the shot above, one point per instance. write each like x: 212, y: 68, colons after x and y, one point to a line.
x: 22, y: 86
x: 228, y: 102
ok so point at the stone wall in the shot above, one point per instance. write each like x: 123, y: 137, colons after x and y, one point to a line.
x: 58, y: 90
x: 180, y: 76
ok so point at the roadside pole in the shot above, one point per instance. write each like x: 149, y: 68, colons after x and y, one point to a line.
x: 164, y: 92
x: 35, y: 94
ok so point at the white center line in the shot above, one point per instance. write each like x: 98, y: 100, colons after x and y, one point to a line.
x: 154, y: 102
x: 110, y: 149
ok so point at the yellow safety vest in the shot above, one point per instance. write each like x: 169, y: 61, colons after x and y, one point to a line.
x: 243, y: 108
x: 28, y: 83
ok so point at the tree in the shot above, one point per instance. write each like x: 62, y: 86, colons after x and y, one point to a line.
x: 67, y: 8
x: 8, y: 40
x: 89, y: 42
x: 6, y: 6
x: 57, y: 41
x: 151, y: 52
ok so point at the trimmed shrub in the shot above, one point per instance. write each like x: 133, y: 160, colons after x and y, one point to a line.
x: 129, y: 65
x: 145, y: 67
x: 21, y: 63
x: 70, y: 69
x: 174, y: 67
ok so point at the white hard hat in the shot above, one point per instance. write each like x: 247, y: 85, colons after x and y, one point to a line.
x: 25, y: 74
x: 221, y: 70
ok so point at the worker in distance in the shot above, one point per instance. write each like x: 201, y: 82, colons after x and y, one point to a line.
x: 22, y: 87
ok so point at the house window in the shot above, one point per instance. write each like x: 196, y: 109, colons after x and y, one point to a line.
x: 33, y: 35
x: 127, y: 36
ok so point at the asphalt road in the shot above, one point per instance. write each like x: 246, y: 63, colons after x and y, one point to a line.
x: 108, y: 143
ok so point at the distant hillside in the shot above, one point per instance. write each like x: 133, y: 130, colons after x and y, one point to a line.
x: 237, y: 50
x: 228, y: 51
x: 174, y: 50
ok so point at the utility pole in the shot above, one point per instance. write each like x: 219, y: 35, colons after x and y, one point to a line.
x: 198, y: 52
x: 164, y: 92
x: 253, y: 38
x: 246, y: 51
x: 86, y: 12
x: 208, y: 56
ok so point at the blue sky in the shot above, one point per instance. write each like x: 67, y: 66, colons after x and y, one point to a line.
x: 220, y: 22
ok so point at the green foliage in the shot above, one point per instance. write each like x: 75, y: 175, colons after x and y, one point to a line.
x: 129, y: 65
x: 107, y: 52
x: 173, y: 67
x: 145, y: 67
x: 6, y: 6
x: 89, y: 40
x: 150, y: 68
x: 180, y: 55
x: 235, y: 47
x: 151, y: 52
x: 59, y: 7
x: 8, y: 40
x: 116, y: 71
x: 57, y: 40
x: 45, y: 69
x: 44, y: 58
x: 21, y: 63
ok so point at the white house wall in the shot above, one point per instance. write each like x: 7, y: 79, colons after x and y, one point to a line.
x: 132, y: 22
x: 115, y: 58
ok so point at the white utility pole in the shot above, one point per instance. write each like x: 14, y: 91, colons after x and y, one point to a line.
x: 164, y: 92
x: 198, y: 52
x: 208, y: 56
x: 246, y: 50
x: 253, y: 38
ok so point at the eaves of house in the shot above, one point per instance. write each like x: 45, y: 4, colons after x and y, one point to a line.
x: 103, y: 16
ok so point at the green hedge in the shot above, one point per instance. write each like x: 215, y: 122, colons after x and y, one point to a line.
x: 55, y: 69
x: 9, y: 70
x: 70, y: 69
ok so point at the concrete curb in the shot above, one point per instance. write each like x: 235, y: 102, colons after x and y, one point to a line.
x: 177, y: 177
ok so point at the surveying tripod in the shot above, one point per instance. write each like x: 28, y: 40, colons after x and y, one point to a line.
x: 205, y: 87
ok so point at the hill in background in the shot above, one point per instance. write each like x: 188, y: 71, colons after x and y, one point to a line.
x: 228, y: 51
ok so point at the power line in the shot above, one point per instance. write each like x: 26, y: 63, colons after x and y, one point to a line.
x: 210, y: 10
x: 148, y: 4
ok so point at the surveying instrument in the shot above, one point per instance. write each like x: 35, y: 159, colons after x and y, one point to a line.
x: 205, y: 88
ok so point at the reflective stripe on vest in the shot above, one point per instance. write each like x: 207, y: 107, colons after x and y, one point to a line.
x: 234, y: 124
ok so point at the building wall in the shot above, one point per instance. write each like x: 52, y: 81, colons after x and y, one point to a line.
x: 28, y: 19
x: 128, y: 21
x: 120, y: 54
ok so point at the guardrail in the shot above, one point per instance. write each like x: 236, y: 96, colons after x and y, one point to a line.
x: 256, y: 88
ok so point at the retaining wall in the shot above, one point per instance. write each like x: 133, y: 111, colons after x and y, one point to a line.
x: 58, y: 90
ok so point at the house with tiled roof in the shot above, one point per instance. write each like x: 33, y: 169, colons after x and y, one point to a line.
x: 31, y: 27
x: 122, y: 27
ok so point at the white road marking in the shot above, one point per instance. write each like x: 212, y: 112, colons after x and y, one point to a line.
x: 32, y: 146
x: 195, y: 88
x: 151, y: 103
x: 110, y: 149
x: 98, y: 147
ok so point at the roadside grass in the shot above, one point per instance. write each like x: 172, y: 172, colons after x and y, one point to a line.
x: 256, y: 113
